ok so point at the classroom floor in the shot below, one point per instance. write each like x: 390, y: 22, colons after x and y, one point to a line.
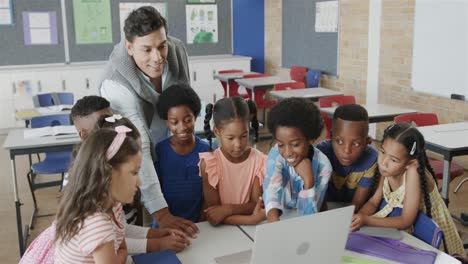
x: 47, y: 202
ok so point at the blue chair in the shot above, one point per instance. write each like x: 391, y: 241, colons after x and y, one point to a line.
x: 54, y: 162
x: 64, y: 98
x: 313, y: 78
x: 43, y: 100
x: 426, y: 229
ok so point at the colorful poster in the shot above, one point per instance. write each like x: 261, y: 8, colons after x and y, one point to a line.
x: 126, y: 8
x: 93, y: 23
x: 202, y: 23
x: 6, y: 12
x: 326, y: 16
x: 40, y: 28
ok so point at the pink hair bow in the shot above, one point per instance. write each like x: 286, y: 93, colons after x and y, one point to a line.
x: 117, y: 142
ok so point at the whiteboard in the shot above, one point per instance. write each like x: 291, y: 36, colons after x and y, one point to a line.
x: 440, y: 47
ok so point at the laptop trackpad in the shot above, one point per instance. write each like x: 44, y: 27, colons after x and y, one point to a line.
x: 242, y: 257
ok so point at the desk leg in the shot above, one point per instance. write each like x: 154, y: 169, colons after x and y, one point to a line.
x: 228, y: 88
x: 21, y: 239
x: 253, y: 93
x: 445, y: 181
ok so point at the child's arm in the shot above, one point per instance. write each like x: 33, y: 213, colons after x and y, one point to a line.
x: 363, y: 189
x: 244, y: 215
x: 371, y: 206
x: 214, y: 212
x: 273, y: 185
x: 410, y: 206
x: 171, y: 239
x: 105, y: 254
x: 257, y: 216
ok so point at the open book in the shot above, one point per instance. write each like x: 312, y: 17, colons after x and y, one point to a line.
x: 54, y: 108
x: 49, y: 131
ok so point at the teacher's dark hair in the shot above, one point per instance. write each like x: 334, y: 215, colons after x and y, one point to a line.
x: 142, y: 21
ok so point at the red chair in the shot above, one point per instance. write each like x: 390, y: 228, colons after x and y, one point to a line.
x: 298, y: 73
x: 261, y: 96
x: 334, y: 101
x: 224, y: 84
x: 430, y: 119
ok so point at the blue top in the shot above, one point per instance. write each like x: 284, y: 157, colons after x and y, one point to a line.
x: 180, y: 180
x: 284, y: 188
x: 345, y: 180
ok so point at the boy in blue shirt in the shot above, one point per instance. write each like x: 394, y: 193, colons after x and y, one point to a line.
x: 353, y: 160
x: 177, y: 164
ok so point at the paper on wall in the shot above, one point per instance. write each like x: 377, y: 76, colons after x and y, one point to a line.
x: 202, y: 23
x: 326, y: 16
x: 6, y: 12
x: 93, y: 23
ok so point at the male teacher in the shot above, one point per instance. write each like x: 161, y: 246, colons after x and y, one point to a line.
x: 140, y: 67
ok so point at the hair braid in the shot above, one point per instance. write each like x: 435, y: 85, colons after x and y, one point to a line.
x: 253, y: 120
x: 422, y: 178
x: 430, y: 169
x: 207, y: 128
x: 375, y: 183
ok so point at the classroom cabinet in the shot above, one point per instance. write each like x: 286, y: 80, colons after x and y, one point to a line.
x: 19, y: 84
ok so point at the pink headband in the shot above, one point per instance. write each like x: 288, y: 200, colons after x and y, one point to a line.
x: 117, y: 142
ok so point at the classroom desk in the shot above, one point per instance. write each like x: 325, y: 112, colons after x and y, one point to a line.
x: 442, y: 258
x: 377, y: 112
x: 16, y: 145
x: 27, y: 114
x: 262, y: 83
x: 310, y: 93
x: 214, y: 242
x: 227, y: 77
x: 449, y: 140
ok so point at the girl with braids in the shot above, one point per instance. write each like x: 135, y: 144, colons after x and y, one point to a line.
x: 407, y: 186
x: 232, y: 174
x: 104, y: 175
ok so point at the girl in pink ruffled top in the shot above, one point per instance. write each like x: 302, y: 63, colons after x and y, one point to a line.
x: 233, y: 173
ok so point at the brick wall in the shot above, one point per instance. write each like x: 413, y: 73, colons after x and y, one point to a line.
x: 395, y: 66
x: 352, y: 68
x: 395, y: 57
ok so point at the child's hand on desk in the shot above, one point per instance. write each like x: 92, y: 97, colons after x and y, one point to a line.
x: 175, y: 240
x: 258, y: 213
x: 304, y: 170
x: 179, y: 223
x: 162, y: 232
x: 358, y: 221
x: 216, y: 214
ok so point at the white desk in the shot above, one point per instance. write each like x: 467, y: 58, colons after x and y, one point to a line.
x: 309, y: 93
x: 17, y: 145
x: 227, y: 77
x: 262, y: 83
x: 442, y: 258
x: 214, y: 242
x: 450, y: 140
x: 377, y: 112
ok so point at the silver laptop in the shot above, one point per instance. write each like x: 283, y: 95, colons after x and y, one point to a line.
x: 319, y: 238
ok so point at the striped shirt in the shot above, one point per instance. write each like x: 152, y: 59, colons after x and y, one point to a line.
x: 96, y: 230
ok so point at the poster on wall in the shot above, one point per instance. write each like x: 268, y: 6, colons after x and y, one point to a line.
x: 92, y: 21
x: 126, y: 8
x: 202, y: 23
x: 326, y: 16
x: 6, y: 12
x: 40, y: 28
